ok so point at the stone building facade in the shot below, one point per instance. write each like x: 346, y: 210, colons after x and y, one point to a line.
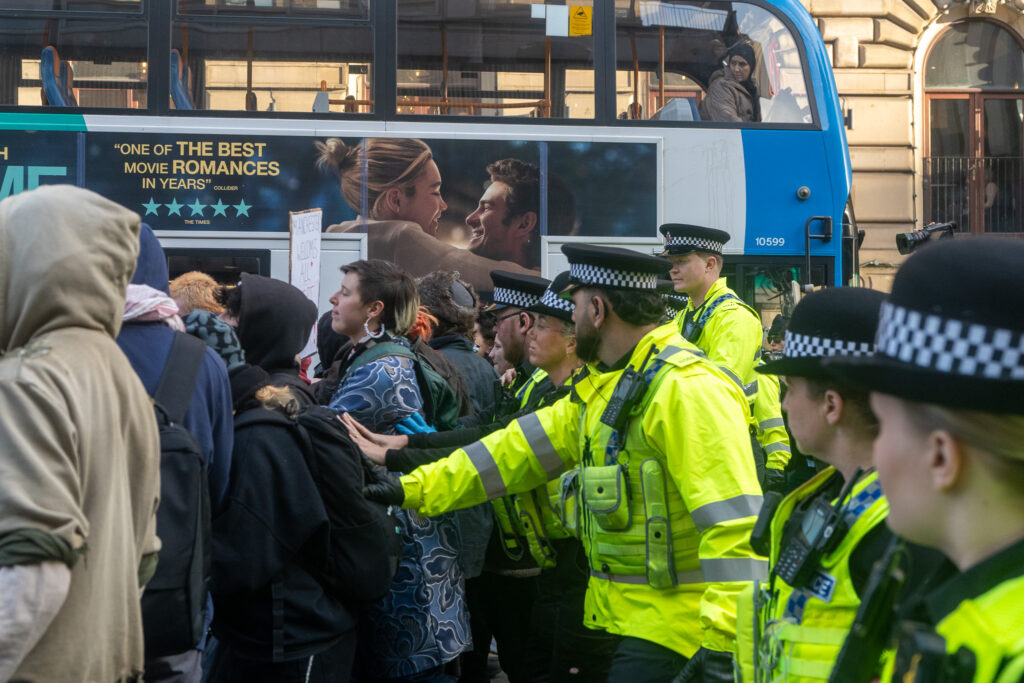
x: 880, y: 53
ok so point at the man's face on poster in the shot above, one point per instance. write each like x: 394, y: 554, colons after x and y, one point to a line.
x: 494, y: 234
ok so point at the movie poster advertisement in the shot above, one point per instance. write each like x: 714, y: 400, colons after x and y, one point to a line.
x: 250, y: 183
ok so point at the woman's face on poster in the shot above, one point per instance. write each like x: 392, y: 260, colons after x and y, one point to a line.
x: 426, y: 205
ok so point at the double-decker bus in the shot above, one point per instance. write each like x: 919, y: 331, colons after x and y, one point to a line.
x: 202, y: 116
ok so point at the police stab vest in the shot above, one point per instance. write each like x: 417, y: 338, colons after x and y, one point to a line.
x: 523, y: 532
x: 799, y: 633
x: 632, y: 519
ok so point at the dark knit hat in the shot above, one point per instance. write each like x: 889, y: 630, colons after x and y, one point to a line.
x: 745, y: 50
x: 218, y: 335
x: 951, y: 333
x: 833, y: 322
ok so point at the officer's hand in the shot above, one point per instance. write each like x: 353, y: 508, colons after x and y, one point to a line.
x: 775, y: 480
x: 382, y: 486
x: 707, y: 666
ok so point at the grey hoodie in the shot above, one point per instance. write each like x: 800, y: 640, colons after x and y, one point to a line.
x: 79, y: 473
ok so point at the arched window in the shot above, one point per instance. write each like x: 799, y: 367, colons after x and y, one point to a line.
x: 974, y: 89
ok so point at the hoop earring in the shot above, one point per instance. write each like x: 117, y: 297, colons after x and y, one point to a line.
x: 366, y: 328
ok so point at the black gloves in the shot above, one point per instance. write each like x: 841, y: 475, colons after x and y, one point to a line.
x: 381, y: 486
x: 775, y: 480
x: 708, y: 666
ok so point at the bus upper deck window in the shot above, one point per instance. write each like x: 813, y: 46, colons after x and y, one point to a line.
x: 678, y: 60
x: 491, y: 59
x: 95, y: 58
x: 231, y: 56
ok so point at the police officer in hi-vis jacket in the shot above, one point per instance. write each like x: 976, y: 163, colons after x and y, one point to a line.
x: 825, y: 535
x: 729, y: 331
x: 947, y: 387
x: 653, y: 451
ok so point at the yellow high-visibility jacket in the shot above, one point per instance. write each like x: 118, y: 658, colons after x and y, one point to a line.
x: 689, y: 440
x: 731, y: 337
x: 771, y: 428
x: 979, y: 610
x: 800, y: 632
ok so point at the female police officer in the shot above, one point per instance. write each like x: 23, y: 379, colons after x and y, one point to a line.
x: 802, y: 615
x: 947, y: 385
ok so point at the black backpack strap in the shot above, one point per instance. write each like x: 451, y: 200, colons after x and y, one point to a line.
x: 178, y: 379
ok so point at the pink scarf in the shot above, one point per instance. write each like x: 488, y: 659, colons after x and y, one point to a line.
x: 145, y: 304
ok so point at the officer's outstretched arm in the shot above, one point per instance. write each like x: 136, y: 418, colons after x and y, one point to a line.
x: 701, y: 425
x: 528, y: 452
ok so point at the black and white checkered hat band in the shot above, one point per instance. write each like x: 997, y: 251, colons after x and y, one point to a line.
x: 698, y: 243
x: 609, y: 277
x: 949, y: 345
x: 806, y: 346
x: 552, y: 300
x: 513, y: 297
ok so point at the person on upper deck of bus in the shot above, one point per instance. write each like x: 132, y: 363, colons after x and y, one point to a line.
x: 506, y: 222
x: 404, y: 204
x: 732, y: 93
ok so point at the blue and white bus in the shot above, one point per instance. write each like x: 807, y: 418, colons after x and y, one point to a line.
x: 202, y: 115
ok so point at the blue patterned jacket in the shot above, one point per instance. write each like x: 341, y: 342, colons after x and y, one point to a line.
x: 423, y: 622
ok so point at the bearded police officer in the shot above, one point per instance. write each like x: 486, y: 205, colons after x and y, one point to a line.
x: 656, y: 475
x: 719, y: 323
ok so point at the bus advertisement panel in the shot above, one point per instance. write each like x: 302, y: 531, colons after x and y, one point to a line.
x: 231, y: 183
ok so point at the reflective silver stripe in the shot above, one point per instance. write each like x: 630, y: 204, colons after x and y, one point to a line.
x: 732, y: 375
x: 777, y: 448
x: 750, y: 389
x: 487, y: 468
x: 695, y: 576
x: 724, y: 510
x: 771, y: 424
x: 668, y: 352
x: 540, y: 443
x: 734, y: 569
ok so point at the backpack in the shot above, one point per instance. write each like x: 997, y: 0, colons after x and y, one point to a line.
x: 364, y: 544
x: 174, y: 602
x: 440, y: 405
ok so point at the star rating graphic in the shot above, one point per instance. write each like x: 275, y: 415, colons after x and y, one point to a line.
x: 197, y: 208
x: 151, y: 207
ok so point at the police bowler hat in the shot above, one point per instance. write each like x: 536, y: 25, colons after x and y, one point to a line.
x: 952, y: 331
x: 551, y: 303
x: 836, y: 322
x: 592, y: 265
x: 681, y: 238
x: 515, y: 290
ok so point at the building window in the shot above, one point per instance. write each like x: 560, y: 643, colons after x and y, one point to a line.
x: 974, y: 163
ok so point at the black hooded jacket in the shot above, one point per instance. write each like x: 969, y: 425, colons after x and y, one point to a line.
x: 273, y: 326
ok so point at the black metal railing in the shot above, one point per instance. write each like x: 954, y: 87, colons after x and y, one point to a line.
x: 953, y: 184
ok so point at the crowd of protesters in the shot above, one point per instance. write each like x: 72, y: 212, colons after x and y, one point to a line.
x: 183, y: 498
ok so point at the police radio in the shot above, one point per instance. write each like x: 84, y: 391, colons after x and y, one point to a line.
x: 815, y: 534
x: 629, y: 390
